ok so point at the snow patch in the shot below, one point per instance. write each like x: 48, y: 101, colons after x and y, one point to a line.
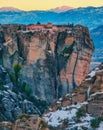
x: 56, y: 118
x: 92, y: 74
x: 60, y: 99
x: 87, y: 79
x: 92, y: 95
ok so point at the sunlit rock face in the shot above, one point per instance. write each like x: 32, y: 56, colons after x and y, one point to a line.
x: 54, y: 62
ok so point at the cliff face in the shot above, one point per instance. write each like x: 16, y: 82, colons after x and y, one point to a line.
x: 53, y: 62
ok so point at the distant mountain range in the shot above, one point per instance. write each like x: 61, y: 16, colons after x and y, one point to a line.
x: 97, y: 35
x: 89, y: 16
x: 57, y: 9
x: 62, y: 9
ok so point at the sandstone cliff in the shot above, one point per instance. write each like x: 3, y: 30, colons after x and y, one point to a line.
x: 54, y: 62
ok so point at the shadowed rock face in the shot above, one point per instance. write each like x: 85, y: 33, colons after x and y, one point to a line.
x: 53, y: 62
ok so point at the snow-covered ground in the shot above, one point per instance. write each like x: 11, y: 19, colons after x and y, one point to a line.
x: 69, y: 113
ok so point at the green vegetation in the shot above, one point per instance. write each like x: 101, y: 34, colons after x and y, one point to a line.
x: 100, y: 118
x: 27, y: 90
x: 17, y: 68
x: 80, y: 113
x: 65, y: 122
x: 14, y: 76
x: 59, y: 108
x: 24, y: 88
x: 84, y: 128
x: 20, y: 86
x: 96, y: 122
x: 68, y: 50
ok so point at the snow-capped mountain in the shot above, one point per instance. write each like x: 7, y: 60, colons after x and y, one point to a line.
x: 61, y: 9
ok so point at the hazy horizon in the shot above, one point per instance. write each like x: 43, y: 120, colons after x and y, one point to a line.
x: 46, y: 5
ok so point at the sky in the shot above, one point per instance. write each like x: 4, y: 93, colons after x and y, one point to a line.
x: 48, y: 4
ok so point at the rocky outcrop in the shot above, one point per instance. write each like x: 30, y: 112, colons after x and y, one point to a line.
x: 85, y: 102
x: 90, y: 91
x: 13, y: 102
x: 25, y: 122
x: 53, y: 62
x: 15, y: 98
x: 12, y: 105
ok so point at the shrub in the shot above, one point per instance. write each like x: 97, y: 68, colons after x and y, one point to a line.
x: 59, y: 108
x: 65, y: 122
x: 17, y: 68
x: 84, y: 128
x: 15, y: 75
x: 95, y: 123
x: 68, y: 49
x: 80, y: 113
x: 27, y: 90
x: 22, y: 85
x: 100, y: 118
